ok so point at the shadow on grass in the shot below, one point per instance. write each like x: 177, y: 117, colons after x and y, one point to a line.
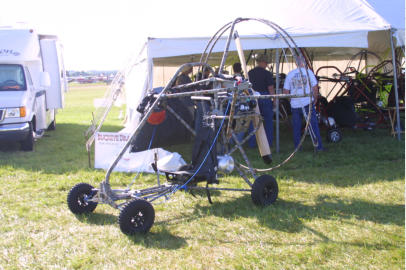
x: 161, y: 239
x: 97, y: 218
x: 287, y: 216
x: 360, y: 158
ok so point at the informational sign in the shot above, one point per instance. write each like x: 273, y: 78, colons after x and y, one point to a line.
x: 109, y: 144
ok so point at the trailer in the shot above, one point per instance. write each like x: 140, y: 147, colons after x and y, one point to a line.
x: 32, y: 84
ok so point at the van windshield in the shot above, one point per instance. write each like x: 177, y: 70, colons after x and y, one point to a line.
x: 12, y: 78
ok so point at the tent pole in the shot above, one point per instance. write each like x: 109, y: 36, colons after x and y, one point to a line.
x: 277, y: 99
x: 395, y: 82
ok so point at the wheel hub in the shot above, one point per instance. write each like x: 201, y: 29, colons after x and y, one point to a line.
x: 138, y: 220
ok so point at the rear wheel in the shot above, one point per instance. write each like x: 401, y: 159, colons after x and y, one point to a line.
x: 52, y: 126
x: 264, y: 190
x: 137, y: 216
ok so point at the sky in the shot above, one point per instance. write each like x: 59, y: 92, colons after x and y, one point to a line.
x: 104, y: 34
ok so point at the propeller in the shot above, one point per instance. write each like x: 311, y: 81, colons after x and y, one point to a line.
x: 260, y: 135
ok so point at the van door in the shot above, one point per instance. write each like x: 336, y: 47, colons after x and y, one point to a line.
x: 53, y: 64
x: 39, y: 107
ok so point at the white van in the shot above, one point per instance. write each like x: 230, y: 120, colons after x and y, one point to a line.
x: 32, y: 84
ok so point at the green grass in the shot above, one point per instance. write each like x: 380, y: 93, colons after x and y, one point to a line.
x: 343, y: 209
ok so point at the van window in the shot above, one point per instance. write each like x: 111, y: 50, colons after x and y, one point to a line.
x: 12, y: 78
x: 29, y: 79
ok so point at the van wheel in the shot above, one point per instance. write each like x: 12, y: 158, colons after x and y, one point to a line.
x: 28, y: 143
x: 52, y: 126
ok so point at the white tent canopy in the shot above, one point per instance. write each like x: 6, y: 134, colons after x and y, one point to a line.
x: 317, y: 23
x: 330, y: 27
x: 312, y: 23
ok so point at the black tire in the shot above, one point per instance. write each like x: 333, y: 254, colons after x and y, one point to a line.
x: 137, y: 216
x: 28, y: 143
x: 334, y: 135
x: 76, y: 196
x: 52, y: 126
x: 264, y: 190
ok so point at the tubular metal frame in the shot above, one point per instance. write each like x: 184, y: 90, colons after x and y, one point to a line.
x: 110, y: 196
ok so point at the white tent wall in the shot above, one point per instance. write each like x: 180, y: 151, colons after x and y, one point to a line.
x: 162, y: 75
x: 378, y: 42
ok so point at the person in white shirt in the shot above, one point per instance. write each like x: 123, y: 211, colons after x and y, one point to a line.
x: 296, y: 83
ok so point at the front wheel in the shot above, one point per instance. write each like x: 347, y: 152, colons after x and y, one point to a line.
x: 137, y: 216
x: 264, y: 190
x: 28, y: 143
x: 78, y: 199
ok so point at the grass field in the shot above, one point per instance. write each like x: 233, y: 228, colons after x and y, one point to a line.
x: 342, y: 209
